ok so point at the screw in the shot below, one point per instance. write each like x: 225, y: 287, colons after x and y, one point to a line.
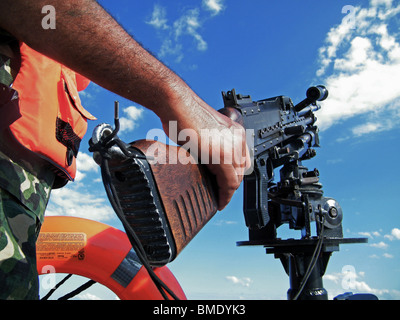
x: 333, y: 212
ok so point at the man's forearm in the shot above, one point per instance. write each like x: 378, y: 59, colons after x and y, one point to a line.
x: 88, y: 40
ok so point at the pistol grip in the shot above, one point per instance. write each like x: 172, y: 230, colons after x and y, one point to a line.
x: 255, y: 204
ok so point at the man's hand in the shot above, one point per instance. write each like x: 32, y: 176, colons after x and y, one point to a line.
x: 221, y: 142
x: 234, y: 159
x: 89, y: 41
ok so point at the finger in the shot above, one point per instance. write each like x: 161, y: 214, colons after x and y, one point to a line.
x: 244, y: 165
x: 227, y: 181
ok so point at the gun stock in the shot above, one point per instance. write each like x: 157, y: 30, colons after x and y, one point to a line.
x: 166, y: 202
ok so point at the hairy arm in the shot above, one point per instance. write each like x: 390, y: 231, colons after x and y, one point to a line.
x: 88, y: 40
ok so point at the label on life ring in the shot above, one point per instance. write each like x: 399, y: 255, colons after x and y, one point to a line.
x: 61, y: 246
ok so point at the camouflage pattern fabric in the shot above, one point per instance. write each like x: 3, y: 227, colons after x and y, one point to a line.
x: 18, y: 234
x: 9, y: 58
x: 31, y: 187
x: 23, y: 197
x: 5, y: 70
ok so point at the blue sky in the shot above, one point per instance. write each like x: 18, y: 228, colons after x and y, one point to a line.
x: 265, y: 49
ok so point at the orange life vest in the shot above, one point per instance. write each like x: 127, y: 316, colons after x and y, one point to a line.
x: 52, y: 121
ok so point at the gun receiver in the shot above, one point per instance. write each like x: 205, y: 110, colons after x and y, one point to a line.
x: 282, y: 133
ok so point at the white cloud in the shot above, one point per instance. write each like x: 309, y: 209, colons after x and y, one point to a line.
x: 353, y: 281
x: 334, y: 161
x: 85, y: 162
x: 215, y: 6
x: 159, y: 18
x: 76, y: 202
x: 189, y: 24
x: 245, y: 282
x: 79, y: 198
x: 187, y: 27
x: 380, y: 245
x: 394, y: 235
x: 224, y: 222
x: 88, y: 296
x: 361, y: 68
x: 367, y: 128
x: 130, y: 121
x: 370, y: 234
x: 380, y: 2
x: 171, y: 48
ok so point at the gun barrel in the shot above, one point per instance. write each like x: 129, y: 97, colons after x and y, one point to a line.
x: 314, y: 94
x: 317, y: 93
x: 301, y: 144
x: 311, y: 108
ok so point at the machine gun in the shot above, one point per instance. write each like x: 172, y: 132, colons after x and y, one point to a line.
x: 284, y: 136
x: 161, y: 217
x: 283, y: 133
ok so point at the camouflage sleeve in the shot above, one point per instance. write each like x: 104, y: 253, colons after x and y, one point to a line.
x: 18, y: 234
x: 9, y: 58
x: 31, y: 189
x: 23, y: 199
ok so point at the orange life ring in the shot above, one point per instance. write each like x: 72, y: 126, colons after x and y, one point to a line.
x: 99, y: 252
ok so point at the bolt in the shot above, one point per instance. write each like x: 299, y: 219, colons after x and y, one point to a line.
x: 333, y: 212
